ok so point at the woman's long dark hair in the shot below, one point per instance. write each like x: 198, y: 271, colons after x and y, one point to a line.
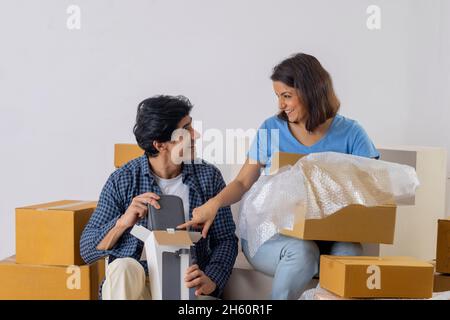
x: 314, y: 87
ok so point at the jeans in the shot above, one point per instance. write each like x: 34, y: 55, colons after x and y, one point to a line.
x: 294, y: 262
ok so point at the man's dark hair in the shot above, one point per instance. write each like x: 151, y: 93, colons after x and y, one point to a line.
x: 314, y: 87
x: 157, y: 118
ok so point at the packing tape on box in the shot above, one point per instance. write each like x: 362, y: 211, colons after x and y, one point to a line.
x: 322, y: 184
x: 66, y: 206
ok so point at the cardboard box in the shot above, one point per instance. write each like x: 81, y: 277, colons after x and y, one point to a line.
x: 38, y: 282
x: 168, y: 257
x: 354, y: 223
x: 124, y: 152
x: 326, y: 295
x: 369, y: 277
x: 443, y: 246
x: 441, y: 282
x: 49, y: 233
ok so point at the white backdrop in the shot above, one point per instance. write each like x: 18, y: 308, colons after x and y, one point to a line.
x: 66, y: 96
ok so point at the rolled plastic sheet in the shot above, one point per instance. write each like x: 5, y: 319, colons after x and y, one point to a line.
x: 322, y: 184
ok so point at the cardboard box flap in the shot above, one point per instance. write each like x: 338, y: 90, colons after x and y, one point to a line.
x: 282, y: 159
x: 176, y: 238
x: 64, y: 205
x: 179, y: 237
x: 380, y: 261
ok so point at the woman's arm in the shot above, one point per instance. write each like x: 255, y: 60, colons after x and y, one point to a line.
x: 232, y: 193
x: 205, y: 214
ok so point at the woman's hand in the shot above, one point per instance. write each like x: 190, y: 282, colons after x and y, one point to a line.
x: 203, y: 216
x: 232, y: 193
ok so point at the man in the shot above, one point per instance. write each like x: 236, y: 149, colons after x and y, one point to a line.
x: 124, y: 198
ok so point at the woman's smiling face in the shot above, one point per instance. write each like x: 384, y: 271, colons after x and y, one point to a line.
x: 289, y: 102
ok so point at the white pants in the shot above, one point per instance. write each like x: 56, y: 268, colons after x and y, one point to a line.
x: 125, y: 280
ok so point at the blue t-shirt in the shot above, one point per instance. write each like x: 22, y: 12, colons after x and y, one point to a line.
x: 344, y: 135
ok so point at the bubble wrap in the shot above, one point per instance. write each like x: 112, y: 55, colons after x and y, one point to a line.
x: 322, y: 183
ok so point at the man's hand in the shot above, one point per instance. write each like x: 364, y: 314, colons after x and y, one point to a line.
x: 196, y: 278
x: 138, y: 209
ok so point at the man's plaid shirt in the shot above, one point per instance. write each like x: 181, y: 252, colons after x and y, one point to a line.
x: 215, y: 255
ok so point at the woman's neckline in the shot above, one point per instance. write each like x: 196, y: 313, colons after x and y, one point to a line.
x: 318, y: 141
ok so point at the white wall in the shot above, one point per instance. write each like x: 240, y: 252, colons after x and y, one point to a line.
x: 428, y: 77
x: 68, y: 96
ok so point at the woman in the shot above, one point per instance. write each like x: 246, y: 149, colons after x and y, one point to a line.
x: 308, y: 122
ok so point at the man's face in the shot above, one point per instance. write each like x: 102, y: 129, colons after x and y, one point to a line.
x: 182, y: 145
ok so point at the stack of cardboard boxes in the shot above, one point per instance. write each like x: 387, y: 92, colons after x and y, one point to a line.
x: 48, y: 264
x: 357, y: 277
x: 361, y: 277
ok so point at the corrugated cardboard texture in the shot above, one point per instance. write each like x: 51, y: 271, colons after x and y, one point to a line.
x: 51, y: 237
x: 37, y: 282
x: 400, y: 277
x: 443, y: 246
x: 354, y: 223
x: 178, y: 238
x: 126, y: 152
x: 282, y: 159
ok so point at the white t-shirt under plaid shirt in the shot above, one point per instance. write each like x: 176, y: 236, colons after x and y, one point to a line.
x: 176, y: 187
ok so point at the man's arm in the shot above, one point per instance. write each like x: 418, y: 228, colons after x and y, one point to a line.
x: 112, y: 237
x: 136, y: 211
x: 106, y: 232
x: 103, y: 220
